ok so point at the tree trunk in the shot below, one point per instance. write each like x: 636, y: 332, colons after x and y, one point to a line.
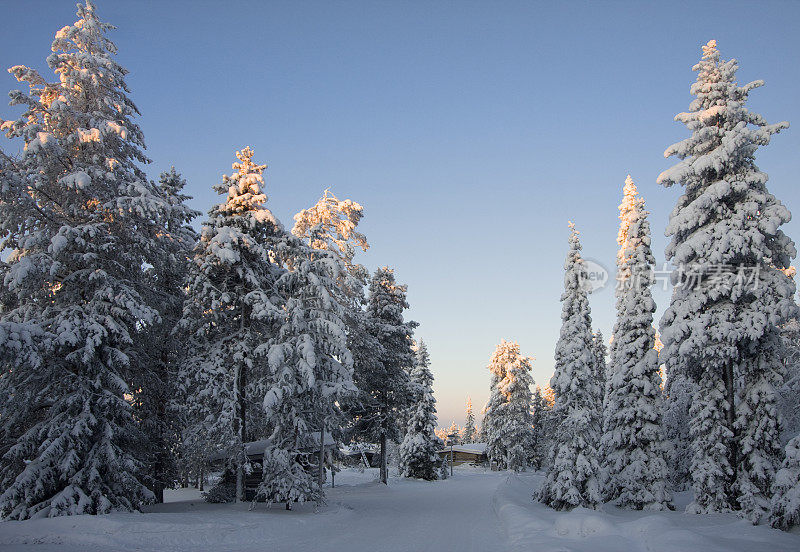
x: 384, y: 466
x: 158, y: 490
x: 730, y: 394
x: 163, y: 457
x: 321, y: 460
x: 202, y: 479
x: 239, y: 428
x: 239, y: 423
x: 239, y: 478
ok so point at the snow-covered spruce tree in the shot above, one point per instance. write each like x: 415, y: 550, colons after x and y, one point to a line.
x: 468, y: 436
x: 418, y: 456
x: 539, y: 436
x: 158, y: 405
x: 785, y: 511
x: 516, y: 428
x: 633, y: 441
x: 490, y: 427
x: 548, y: 425
x: 480, y: 435
x: 310, y: 373
x: 231, y: 314
x: 331, y: 225
x: 722, y: 327
x: 573, y: 473
x: 80, y: 218
x: 380, y: 361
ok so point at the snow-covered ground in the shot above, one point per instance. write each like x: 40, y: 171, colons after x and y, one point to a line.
x: 476, y: 510
x: 529, y: 525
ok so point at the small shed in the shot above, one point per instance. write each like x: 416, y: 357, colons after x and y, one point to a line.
x: 468, y: 453
x: 360, y: 454
x: 307, y: 456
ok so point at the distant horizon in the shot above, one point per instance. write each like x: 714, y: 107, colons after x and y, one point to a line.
x: 470, y: 132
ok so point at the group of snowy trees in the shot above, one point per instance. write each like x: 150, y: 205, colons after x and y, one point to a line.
x: 731, y: 311
x: 131, y: 348
x: 508, y: 421
x: 458, y: 435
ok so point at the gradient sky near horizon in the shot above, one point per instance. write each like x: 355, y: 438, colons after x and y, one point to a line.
x: 471, y: 132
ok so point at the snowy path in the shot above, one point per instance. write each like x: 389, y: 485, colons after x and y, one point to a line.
x: 455, y: 514
x: 475, y: 511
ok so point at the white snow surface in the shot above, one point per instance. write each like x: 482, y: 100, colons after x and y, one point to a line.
x: 476, y: 510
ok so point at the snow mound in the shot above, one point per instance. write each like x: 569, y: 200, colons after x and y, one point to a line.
x: 530, y: 525
x: 583, y: 523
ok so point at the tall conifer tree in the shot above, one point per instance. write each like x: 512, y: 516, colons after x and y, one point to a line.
x: 573, y: 474
x: 469, y: 425
x: 81, y: 220
x: 492, y: 422
x: 232, y: 313
x: 722, y: 327
x: 380, y: 368
x: 418, y: 456
x: 633, y: 440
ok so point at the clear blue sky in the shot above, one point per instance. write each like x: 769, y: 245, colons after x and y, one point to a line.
x: 470, y: 131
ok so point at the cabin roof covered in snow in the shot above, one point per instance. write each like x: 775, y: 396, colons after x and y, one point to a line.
x: 473, y: 448
x: 356, y: 449
x: 309, y: 442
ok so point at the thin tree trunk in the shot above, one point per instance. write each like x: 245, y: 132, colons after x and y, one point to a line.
x: 162, y: 453
x: 240, y: 426
x: 384, y: 466
x: 238, y: 429
x: 202, y: 478
x: 730, y: 394
x: 321, y: 461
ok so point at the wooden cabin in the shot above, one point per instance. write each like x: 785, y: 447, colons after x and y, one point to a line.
x: 468, y: 453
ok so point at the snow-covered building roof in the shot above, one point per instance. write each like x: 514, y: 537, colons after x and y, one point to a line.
x: 472, y: 448
x: 368, y: 448
x: 310, y: 442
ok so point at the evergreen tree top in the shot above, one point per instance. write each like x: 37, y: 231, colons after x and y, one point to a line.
x: 420, y: 372
x: 716, y: 114
x: 90, y: 99
x: 387, y: 299
x: 726, y: 215
x: 244, y: 187
x: 507, y: 361
x: 576, y: 285
x: 331, y: 224
x: 626, y: 213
